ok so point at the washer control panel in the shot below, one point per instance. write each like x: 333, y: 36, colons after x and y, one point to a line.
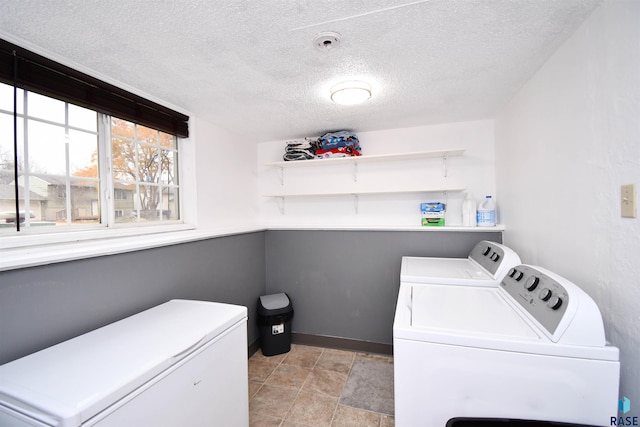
x: 542, y: 297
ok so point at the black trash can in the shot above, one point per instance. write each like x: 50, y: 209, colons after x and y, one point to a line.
x: 274, y: 320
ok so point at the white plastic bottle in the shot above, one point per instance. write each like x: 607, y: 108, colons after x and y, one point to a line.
x: 486, y: 216
x: 469, y: 214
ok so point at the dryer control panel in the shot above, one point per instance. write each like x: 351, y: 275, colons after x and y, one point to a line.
x: 544, y: 298
x: 494, y: 257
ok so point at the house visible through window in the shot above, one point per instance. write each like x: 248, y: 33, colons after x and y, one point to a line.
x: 80, y: 168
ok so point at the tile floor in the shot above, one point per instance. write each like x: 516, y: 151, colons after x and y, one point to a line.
x: 302, y: 388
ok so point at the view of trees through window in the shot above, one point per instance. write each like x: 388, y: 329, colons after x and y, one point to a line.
x: 78, y: 167
x: 144, y: 164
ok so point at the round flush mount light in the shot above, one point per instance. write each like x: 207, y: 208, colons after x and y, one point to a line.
x: 351, y: 92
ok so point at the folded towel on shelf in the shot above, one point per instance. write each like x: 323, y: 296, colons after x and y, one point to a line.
x: 337, y: 152
x: 338, y: 144
x: 300, y: 149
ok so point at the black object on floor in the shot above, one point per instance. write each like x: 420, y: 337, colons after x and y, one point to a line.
x: 274, y: 322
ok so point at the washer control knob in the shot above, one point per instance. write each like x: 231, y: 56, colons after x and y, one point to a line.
x: 512, y: 272
x: 486, y: 251
x: 555, y: 303
x: 495, y: 257
x: 518, y: 275
x: 545, y: 294
x: 531, y: 283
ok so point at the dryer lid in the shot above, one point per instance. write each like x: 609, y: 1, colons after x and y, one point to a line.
x: 442, y: 270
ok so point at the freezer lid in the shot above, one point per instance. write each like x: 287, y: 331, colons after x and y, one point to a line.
x: 72, y: 381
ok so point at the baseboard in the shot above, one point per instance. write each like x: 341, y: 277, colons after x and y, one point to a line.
x: 341, y: 343
x: 332, y: 342
x: 253, y: 347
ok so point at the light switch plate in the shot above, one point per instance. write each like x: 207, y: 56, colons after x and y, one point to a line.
x: 628, y: 201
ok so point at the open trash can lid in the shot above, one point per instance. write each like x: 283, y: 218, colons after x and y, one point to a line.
x: 274, y: 304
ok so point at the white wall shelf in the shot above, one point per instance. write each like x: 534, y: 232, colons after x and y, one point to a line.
x: 356, y: 194
x: 355, y: 161
x: 363, y: 192
x: 374, y: 158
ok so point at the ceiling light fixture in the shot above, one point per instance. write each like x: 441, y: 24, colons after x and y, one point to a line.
x: 351, y: 92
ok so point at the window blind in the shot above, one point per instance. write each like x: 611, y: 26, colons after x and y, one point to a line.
x: 47, y: 77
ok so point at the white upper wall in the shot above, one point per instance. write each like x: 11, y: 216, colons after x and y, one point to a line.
x: 564, y: 145
x: 225, y: 178
x: 474, y: 170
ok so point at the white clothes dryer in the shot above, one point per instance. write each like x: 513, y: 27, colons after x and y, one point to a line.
x: 532, y: 348
x: 486, y: 264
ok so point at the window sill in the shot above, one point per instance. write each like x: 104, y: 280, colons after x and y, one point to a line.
x: 88, y: 244
x: 73, y: 248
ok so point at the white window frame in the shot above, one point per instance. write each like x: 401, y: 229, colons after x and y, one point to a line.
x: 108, y: 228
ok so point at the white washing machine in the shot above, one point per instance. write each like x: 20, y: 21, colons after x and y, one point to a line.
x: 532, y: 348
x: 485, y: 265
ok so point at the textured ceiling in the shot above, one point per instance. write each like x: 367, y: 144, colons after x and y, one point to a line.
x: 251, y: 66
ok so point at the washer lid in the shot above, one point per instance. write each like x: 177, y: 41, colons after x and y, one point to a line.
x: 477, y: 311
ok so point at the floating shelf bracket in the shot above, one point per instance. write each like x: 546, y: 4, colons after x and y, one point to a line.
x: 355, y: 171
x: 281, y: 175
x: 445, y: 195
x: 444, y: 165
x: 281, y: 204
x: 356, y: 201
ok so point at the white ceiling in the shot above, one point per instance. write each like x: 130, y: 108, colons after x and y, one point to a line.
x: 251, y: 66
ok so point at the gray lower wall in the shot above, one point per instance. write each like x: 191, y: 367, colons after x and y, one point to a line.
x: 345, y: 283
x: 42, y: 306
x: 342, y: 283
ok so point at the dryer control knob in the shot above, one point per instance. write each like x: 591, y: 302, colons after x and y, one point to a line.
x: 486, y: 251
x: 545, y: 294
x: 531, y: 283
x: 512, y: 272
x: 555, y: 303
x: 518, y: 276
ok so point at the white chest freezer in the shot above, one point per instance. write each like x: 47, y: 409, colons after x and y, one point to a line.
x: 182, y: 363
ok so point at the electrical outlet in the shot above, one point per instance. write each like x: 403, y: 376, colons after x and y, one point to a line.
x: 628, y: 201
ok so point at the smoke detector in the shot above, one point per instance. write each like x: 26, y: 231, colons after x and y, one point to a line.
x: 327, y: 40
